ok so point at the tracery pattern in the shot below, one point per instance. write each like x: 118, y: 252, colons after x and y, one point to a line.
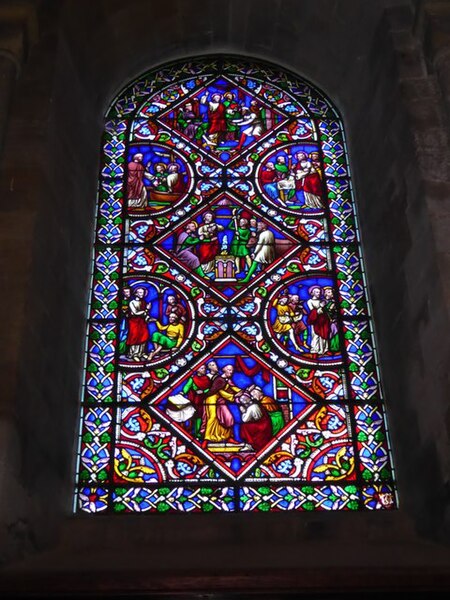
x: 230, y: 361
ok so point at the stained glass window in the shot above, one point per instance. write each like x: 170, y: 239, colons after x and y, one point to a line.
x: 230, y: 356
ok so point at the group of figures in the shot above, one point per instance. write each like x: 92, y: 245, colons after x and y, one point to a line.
x: 232, y: 250
x: 221, y: 119
x: 309, y: 326
x: 222, y: 415
x: 294, y: 180
x: 139, y: 328
x: 164, y: 182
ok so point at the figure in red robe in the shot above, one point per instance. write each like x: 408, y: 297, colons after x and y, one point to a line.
x: 196, y: 387
x: 256, y: 428
x: 136, y: 192
x: 138, y: 333
x: 217, y: 124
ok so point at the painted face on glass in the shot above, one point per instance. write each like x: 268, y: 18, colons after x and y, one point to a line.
x: 201, y: 370
x: 228, y: 370
x: 212, y: 367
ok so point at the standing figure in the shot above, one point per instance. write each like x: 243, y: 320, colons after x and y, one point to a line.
x: 196, y: 389
x: 253, y: 226
x: 307, y: 180
x: 331, y: 311
x: 218, y: 421
x: 298, y: 330
x: 232, y: 114
x: 264, y: 251
x: 318, y: 321
x: 187, y: 120
x: 136, y: 192
x: 138, y: 334
x: 314, y: 157
x: 217, y: 125
x: 213, y: 370
x: 209, y: 246
x: 124, y: 314
x: 283, y: 321
x: 251, y: 124
x: 239, y: 248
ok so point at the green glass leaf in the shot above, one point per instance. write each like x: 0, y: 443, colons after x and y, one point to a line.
x: 293, y: 267
x: 161, y: 268
x: 303, y: 373
x: 366, y: 475
x: 261, y: 291
x: 84, y: 475
x: 385, y: 474
x: 161, y: 373
x: 102, y: 475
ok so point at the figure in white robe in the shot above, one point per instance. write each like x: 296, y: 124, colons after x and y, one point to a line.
x: 264, y: 251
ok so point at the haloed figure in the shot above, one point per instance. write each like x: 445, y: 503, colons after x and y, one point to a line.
x: 138, y: 334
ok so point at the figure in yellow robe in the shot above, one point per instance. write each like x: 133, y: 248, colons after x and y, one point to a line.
x: 283, y: 321
x: 218, y: 421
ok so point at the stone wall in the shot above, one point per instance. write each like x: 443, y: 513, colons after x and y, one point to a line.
x: 386, y: 66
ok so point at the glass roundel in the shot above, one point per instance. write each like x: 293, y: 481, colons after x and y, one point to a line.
x: 230, y: 357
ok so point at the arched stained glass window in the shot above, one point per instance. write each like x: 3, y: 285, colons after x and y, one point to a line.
x: 230, y: 361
